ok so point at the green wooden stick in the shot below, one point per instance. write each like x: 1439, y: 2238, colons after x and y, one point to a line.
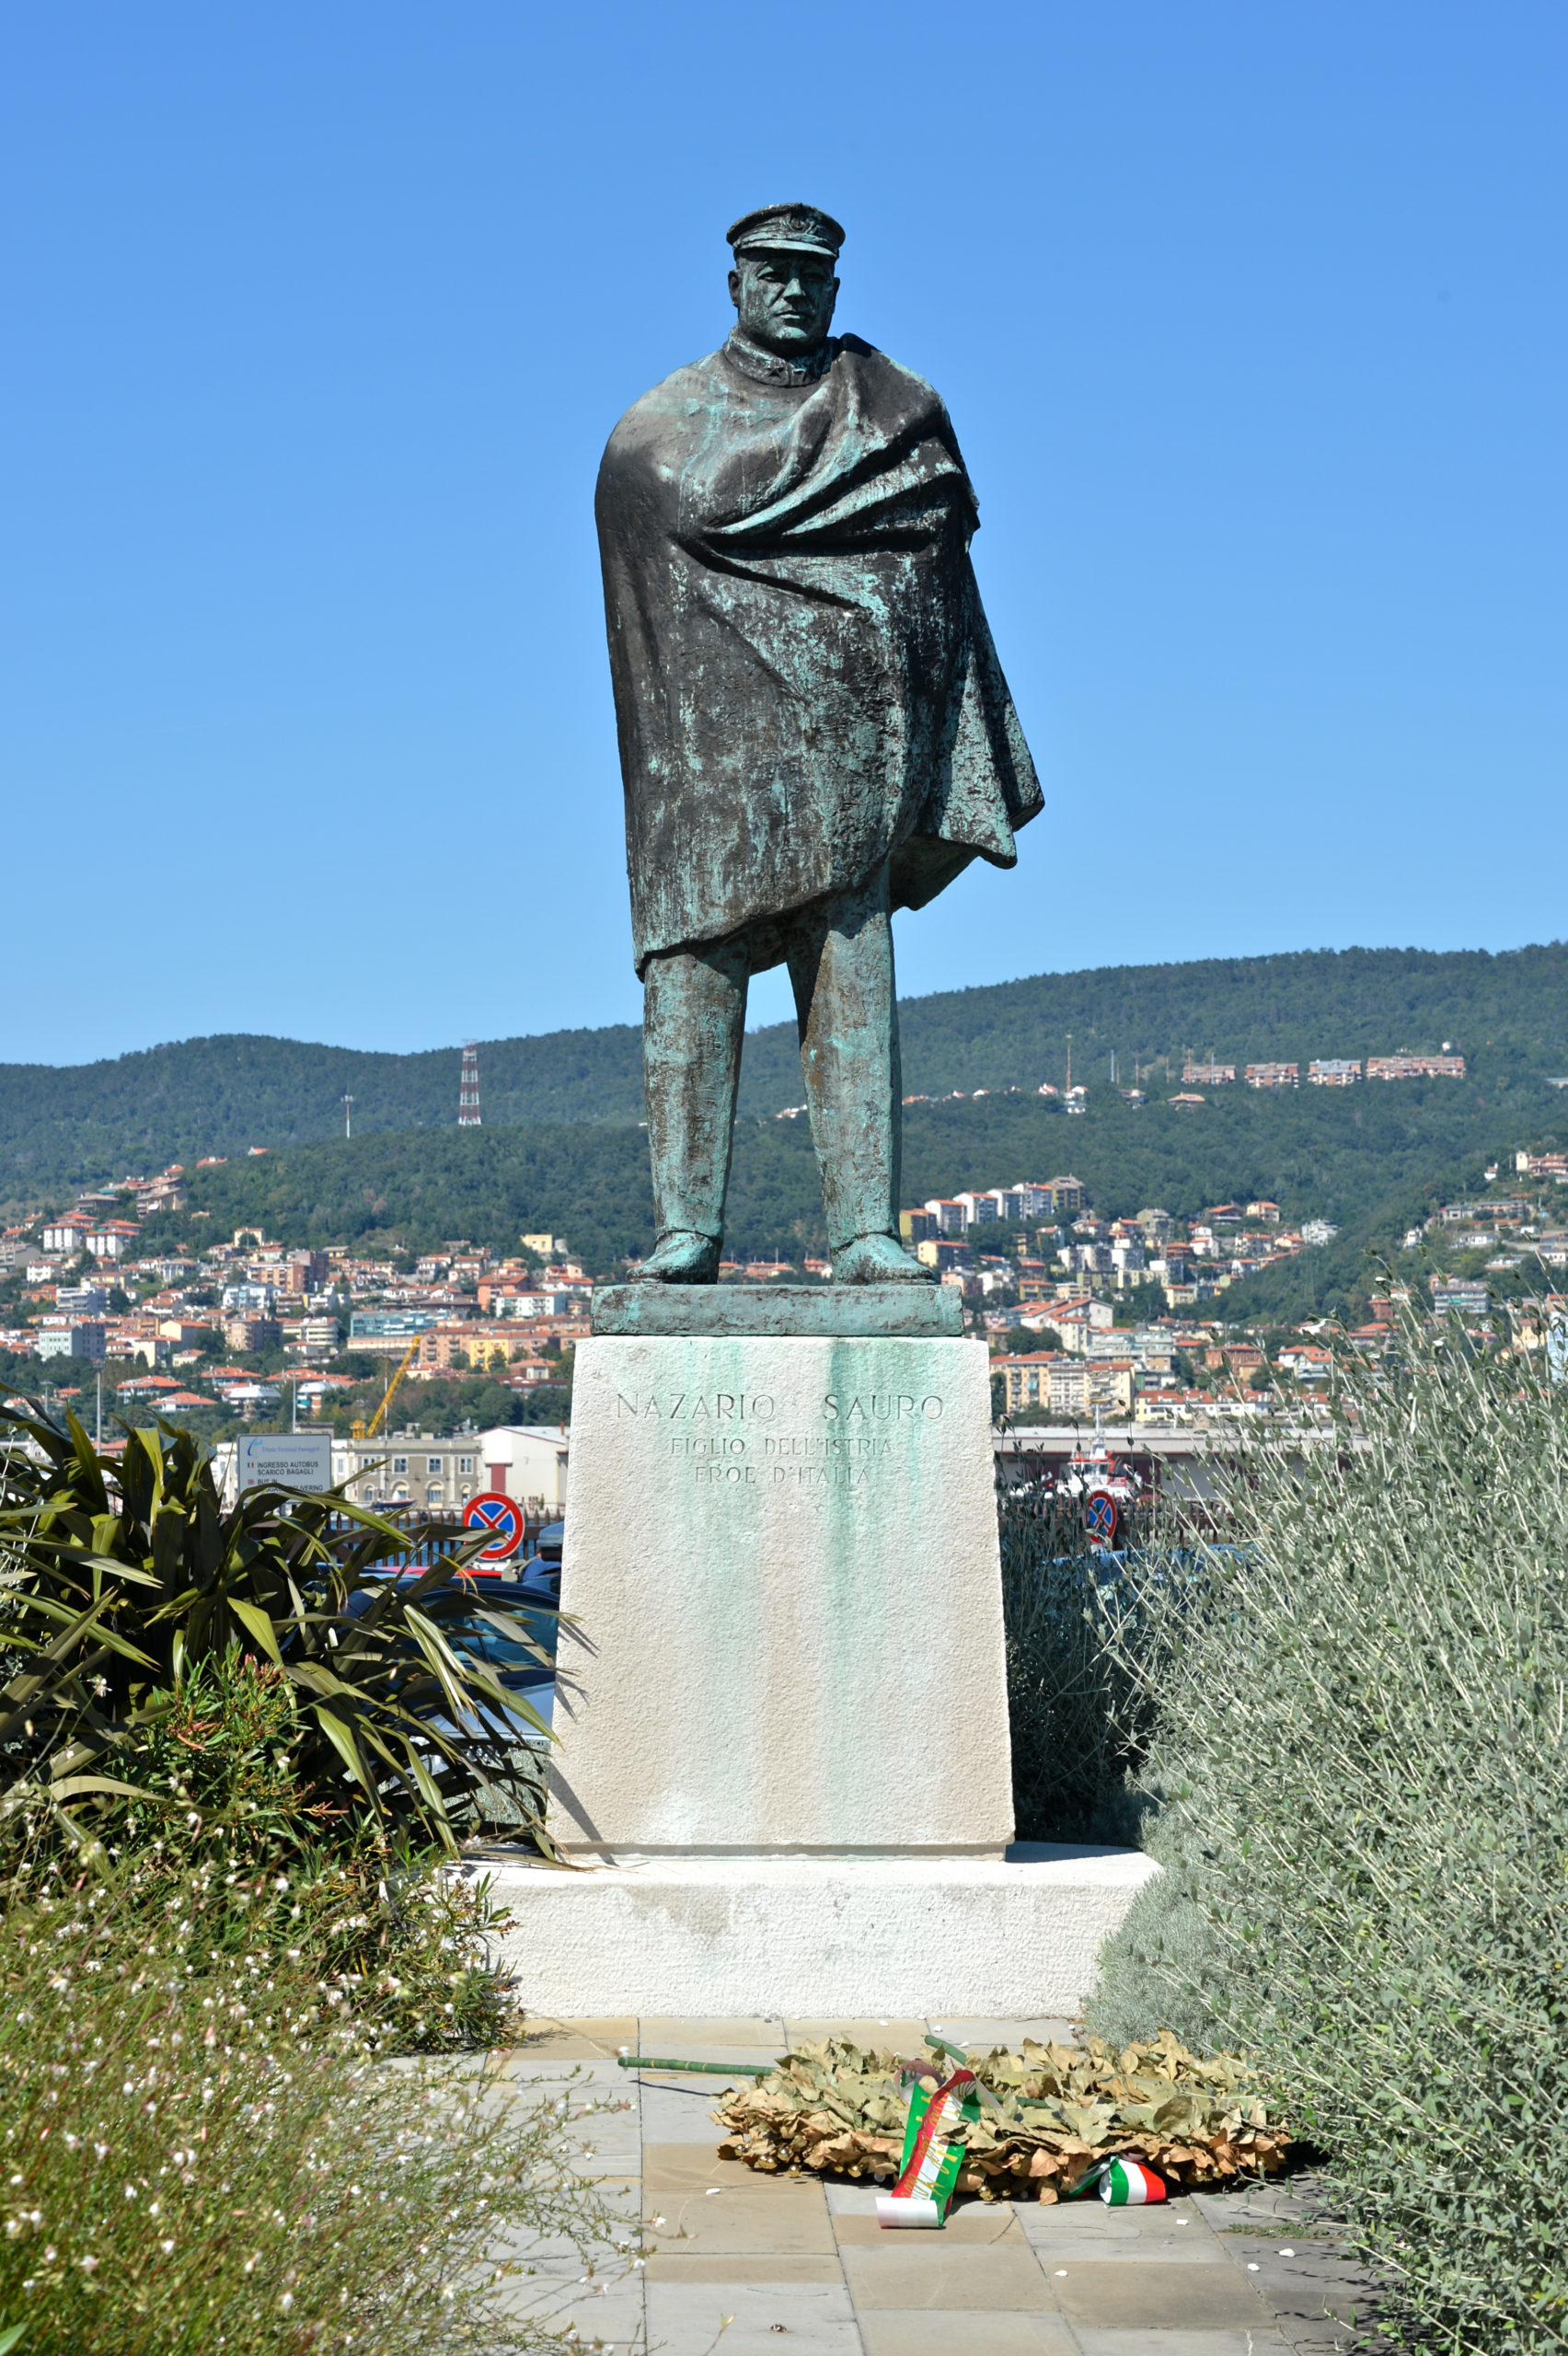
x: 716, y: 2068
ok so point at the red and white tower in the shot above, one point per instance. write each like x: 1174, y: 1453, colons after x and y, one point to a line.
x: 469, y: 1091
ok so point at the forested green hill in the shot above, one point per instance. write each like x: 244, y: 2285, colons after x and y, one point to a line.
x: 1372, y: 1160
x: 86, y: 1123
x: 1508, y: 1013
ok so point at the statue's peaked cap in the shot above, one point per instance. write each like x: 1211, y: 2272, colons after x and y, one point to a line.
x: 789, y: 228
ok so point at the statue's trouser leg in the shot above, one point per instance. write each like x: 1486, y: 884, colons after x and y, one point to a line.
x: 841, y: 967
x: 694, y: 1014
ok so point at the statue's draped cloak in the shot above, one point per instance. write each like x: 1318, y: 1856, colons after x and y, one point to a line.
x: 805, y: 684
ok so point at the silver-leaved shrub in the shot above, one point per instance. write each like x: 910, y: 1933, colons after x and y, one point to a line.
x: 1359, y: 1754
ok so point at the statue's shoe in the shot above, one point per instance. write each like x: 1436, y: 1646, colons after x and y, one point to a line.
x: 878, y: 1260
x: 680, y: 1258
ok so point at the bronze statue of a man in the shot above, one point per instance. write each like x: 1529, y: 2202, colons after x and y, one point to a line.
x: 815, y: 728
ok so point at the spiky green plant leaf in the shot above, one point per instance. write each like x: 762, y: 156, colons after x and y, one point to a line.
x: 131, y: 1572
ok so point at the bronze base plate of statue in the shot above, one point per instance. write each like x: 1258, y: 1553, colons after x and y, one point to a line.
x: 836, y: 1312
x: 815, y: 728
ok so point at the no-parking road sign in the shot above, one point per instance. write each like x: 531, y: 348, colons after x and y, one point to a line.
x: 493, y: 1510
x: 1099, y: 1516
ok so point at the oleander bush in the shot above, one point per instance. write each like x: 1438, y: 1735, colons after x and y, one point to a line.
x: 205, y: 2149
x: 1358, y: 1753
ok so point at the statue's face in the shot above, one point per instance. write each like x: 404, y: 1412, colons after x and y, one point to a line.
x: 784, y: 300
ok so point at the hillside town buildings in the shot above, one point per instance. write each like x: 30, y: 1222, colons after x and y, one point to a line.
x: 1089, y: 1317
x: 1415, y: 1066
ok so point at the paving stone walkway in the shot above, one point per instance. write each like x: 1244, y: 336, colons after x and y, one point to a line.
x: 740, y: 2263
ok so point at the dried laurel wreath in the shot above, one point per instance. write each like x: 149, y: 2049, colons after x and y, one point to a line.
x: 840, y: 2111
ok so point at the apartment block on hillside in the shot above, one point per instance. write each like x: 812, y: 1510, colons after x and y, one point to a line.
x: 68, y: 1234
x: 480, y: 1345
x: 252, y: 1333
x: 1080, y: 1386
x: 113, y: 1238
x: 1027, y: 1380
x: 68, y: 1341
x: 1468, y: 1296
x: 942, y: 1252
x: 1415, y: 1066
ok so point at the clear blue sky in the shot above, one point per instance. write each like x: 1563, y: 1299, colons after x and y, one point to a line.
x: 1252, y: 318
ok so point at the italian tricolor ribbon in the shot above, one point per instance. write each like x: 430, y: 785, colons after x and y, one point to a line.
x: 930, y: 2164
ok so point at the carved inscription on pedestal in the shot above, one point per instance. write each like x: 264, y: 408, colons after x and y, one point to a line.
x: 741, y: 1439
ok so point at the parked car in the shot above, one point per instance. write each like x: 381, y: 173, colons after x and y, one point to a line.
x: 532, y: 1597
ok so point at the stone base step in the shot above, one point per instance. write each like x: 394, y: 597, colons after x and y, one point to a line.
x: 812, y: 1936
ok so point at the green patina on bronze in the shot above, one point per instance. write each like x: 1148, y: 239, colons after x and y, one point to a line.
x: 835, y: 1313
x: 815, y: 728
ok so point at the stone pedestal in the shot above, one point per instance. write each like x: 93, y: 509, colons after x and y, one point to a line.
x: 783, y: 1771
x: 783, y: 1553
